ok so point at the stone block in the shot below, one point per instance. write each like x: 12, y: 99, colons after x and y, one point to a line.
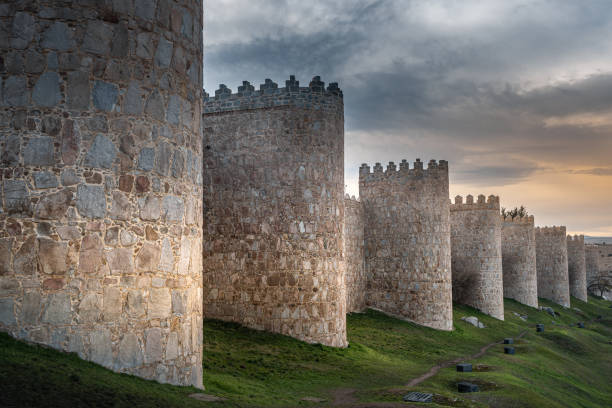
x: 121, y: 208
x: 34, y: 62
x: 145, y: 9
x: 172, y: 348
x: 30, y: 309
x: 51, y: 124
x: 113, y: 304
x: 148, y: 257
x: 105, y: 95
x: 16, y: 196
x: 58, y: 36
x: 155, y: 105
x: 7, y: 312
x: 146, y: 158
x: 464, y: 367
x: 10, y: 153
x: 101, y: 348
x: 134, y: 102
x: 6, y: 247
x: 23, y: 29
x: 91, y: 201
x: 70, y: 143
x: 163, y: 158
x: 52, y: 256
x: 163, y: 54
x: 136, y: 304
x: 120, y: 43
x: 153, y: 345
x: 15, y: 92
x: 173, y: 113
x: 127, y: 238
x: 130, y: 352
x: 178, y: 164
x: 69, y: 177
x: 45, y: 179
x: 38, y: 152
x: 179, y: 302
x: 90, y: 257
x: 77, y: 90
x: 90, y: 308
x: 508, y: 341
x: 166, y: 262
x: 508, y: 350
x: 46, y: 91
x: 98, y: 37
x: 53, y: 206
x: 25, y: 261
x: 173, y: 209
x: 58, y: 310
x: 145, y: 47
x: 120, y: 261
x: 464, y: 387
x: 160, y: 303
x: 150, y: 208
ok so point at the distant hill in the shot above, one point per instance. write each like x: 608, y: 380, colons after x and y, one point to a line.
x: 597, y: 240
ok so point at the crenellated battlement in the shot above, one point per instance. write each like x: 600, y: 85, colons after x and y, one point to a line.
x: 482, y: 203
x: 270, y: 95
x: 554, y: 230
x: 576, y: 238
x: 529, y: 220
x: 434, y: 168
x: 351, y: 198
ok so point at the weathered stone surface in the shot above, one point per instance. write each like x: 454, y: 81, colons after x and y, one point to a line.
x: 54, y: 205
x: 153, y: 345
x: 70, y: 143
x: 69, y: 177
x: 127, y: 238
x: 77, y: 91
x: 146, y: 158
x: 101, y: 348
x: 90, y: 308
x: 38, y: 152
x: 30, y: 309
x: 155, y: 105
x: 163, y: 158
x: 23, y: 30
x: 150, y: 208
x: 121, y: 208
x: 34, y: 62
x: 46, y: 92
x: 134, y: 101
x: 551, y: 263
x: 16, y: 196
x: 98, y: 37
x: 145, y: 47
x: 113, y: 304
x: 105, y: 95
x: 166, y: 262
x: 160, y: 304
x: 473, y: 321
x: 91, y: 201
x: 68, y: 233
x: 163, y: 54
x: 145, y: 9
x: 173, y: 113
x: 178, y: 164
x: 58, y: 37
x: 576, y: 266
x: 51, y: 125
x: 58, y: 310
x: 6, y: 248
x: 7, y: 312
x: 172, y: 348
x: 355, y: 278
x: 52, y: 256
x: 45, y: 179
x: 15, y: 91
x: 179, y: 302
x: 90, y: 257
x: 26, y: 257
x: 519, y: 260
x: 10, y: 153
x: 130, y: 352
x: 120, y: 44
x: 120, y: 261
x: 136, y: 303
x: 148, y: 257
x: 173, y: 209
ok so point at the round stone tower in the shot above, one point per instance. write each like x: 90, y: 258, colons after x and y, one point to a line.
x: 274, y: 209
x: 476, y: 254
x: 591, y: 256
x: 407, y: 241
x: 519, y: 260
x: 551, y: 261
x: 576, y: 266
x: 100, y: 215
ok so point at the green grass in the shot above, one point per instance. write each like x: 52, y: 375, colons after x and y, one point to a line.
x: 562, y: 367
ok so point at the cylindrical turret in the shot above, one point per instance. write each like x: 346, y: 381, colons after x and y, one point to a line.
x: 100, y: 215
x: 551, y: 260
x: 355, y: 277
x: 476, y: 254
x: 519, y: 260
x: 576, y: 266
x: 274, y: 209
x: 407, y: 241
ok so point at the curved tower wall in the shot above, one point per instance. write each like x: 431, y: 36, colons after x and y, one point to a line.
x: 100, y: 221
x: 591, y: 256
x: 274, y: 209
x: 476, y: 254
x: 519, y: 260
x: 355, y: 277
x: 551, y: 260
x: 576, y: 266
x: 407, y: 241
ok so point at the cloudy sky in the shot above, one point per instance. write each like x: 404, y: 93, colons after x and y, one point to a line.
x: 515, y: 94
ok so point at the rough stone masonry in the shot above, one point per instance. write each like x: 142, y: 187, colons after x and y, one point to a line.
x: 101, y: 197
x: 274, y: 209
x: 355, y: 278
x: 476, y: 254
x: 407, y: 241
x: 576, y: 266
x: 519, y: 260
x: 551, y: 260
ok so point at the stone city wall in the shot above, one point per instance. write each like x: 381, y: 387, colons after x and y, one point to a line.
x: 100, y: 204
x: 355, y: 277
x: 519, y: 260
x: 591, y: 257
x: 576, y: 266
x: 274, y: 209
x: 476, y: 254
x: 551, y: 261
x: 407, y: 241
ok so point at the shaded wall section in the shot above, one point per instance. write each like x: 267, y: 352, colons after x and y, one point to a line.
x: 519, y: 260
x: 576, y: 266
x: 355, y: 277
x: 551, y: 260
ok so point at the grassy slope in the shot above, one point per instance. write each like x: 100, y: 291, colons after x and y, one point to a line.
x: 562, y: 367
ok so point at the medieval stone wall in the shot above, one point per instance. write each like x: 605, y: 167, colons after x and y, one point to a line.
x: 355, y: 277
x: 551, y: 261
x: 274, y: 209
x: 100, y: 204
x: 576, y: 266
x: 476, y: 254
x: 591, y: 256
x: 519, y: 260
x: 407, y: 241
